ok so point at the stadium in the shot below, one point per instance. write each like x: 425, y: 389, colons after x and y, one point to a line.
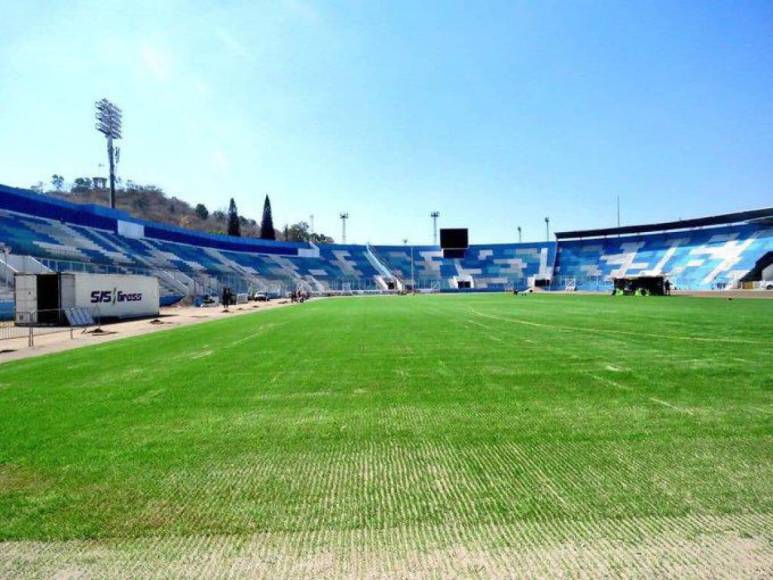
x: 301, y: 289
x: 493, y: 410
x: 41, y: 234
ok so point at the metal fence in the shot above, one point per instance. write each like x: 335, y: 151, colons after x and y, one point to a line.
x: 37, y: 323
x: 9, y: 331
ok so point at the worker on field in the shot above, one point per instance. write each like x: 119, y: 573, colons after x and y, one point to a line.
x: 228, y: 297
x: 667, y: 287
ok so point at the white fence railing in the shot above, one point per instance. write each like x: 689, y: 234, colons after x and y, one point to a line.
x: 32, y: 325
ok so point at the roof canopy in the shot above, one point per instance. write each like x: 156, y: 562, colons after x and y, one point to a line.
x: 728, y: 218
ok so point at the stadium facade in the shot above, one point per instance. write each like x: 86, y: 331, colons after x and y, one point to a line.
x: 41, y: 234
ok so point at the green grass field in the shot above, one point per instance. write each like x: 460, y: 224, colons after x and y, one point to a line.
x: 452, y: 434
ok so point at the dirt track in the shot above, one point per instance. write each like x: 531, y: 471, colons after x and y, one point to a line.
x: 745, y: 294
x: 172, y: 317
x: 726, y: 293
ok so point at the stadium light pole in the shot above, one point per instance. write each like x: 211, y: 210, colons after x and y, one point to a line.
x: 344, y: 216
x: 434, y: 215
x: 520, y: 236
x: 109, y: 124
x: 547, y: 229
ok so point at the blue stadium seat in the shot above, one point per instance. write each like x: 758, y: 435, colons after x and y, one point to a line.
x: 70, y: 237
x: 486, y: 267
x: 703, y: 259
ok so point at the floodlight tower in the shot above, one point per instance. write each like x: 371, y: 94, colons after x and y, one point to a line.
x: 520, y: 234
x: 434, y: 215
x: 109, y: 124
x: 547, y: 229
x: 344, y: 216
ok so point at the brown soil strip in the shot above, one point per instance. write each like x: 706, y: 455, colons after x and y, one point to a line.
x: 16, y: 348
x: 696, y: 546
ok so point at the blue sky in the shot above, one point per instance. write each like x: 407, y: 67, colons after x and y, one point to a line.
x: 497, y: 114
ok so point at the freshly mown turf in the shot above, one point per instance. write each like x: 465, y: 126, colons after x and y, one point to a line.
x: 418, y: 414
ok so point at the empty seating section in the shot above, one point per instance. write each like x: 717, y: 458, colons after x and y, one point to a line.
x: 427, y: 262
x: 67, y: 237
x: 711, y: 258
x: 485, y: 267
x: 498, y: 266
x: 72, y: 247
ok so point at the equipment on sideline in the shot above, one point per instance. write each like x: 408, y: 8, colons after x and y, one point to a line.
x: 640, y: 286
x: 43, y: 299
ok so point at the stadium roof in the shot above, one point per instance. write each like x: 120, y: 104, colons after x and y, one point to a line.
x: 727, y: 218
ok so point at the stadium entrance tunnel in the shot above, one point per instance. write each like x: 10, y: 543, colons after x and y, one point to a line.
x: 762, y: 271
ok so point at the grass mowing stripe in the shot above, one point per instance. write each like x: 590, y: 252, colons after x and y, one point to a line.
x: 606, y: 331
x: 408, y: 413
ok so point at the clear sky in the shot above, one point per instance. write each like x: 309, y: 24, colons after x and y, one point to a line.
x: 496, y: 114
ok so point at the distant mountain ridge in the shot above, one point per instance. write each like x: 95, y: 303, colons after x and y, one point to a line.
x: 151, y: 203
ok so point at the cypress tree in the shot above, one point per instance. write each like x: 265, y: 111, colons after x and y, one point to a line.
x: 267, y: 224
x: 234, y: 229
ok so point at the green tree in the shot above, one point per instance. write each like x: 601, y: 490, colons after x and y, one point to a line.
x: 81, y: 185
x: 321, y: 239
x: 298, y: 232
x: 234, y: 228
x: 202, y: 211
x: 267, y: 224
x: 57, y: 181
x: 301, y: 232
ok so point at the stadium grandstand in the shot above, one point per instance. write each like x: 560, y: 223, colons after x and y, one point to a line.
x: 712, y: 253
x: 44, y: 234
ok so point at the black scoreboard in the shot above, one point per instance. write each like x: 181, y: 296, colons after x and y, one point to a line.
x: 454, y: 238
x: 454, y: 242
